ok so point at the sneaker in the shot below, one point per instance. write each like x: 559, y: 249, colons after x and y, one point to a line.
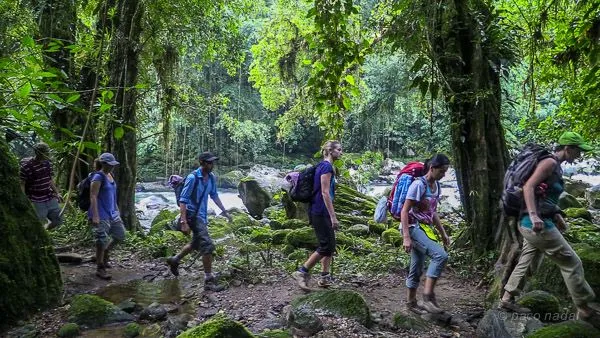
x: 511, y: 306
x: 429, y: 306
x: 173, y: 266
x: 301, y: 278
x: 102, y: 274
x: 211, y: 285
x: 325, y: 281
x: 415, y: 308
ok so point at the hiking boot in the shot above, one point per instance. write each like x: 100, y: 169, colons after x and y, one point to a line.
x: 429, y: 306
x: 211, y: 285
x: 325, y: 281
x: 414, y: 307
x: 511, y: 306
x: 302, y: 278
x: 173, y: 265
x: 106, y: 264
x: 102, y: 274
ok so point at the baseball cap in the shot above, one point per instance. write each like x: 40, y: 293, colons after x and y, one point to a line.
x: 41, y: 148
x: 207, y: 156
x: 571, y: 138
x: 108, y: 158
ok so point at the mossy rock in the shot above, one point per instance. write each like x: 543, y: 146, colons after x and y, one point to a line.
x: 255, y: 198
x: 541, y: 303
x: 290, y: 224
x: 568, y: 329
x: 348, y: 220
x: 93, y: 311
x: 342, y: 303
x: 392, y: 236
x: 302, y: 238
x: 582, y: 231
x: 360, y: 230
x: 262, y: 235
x: 160, y: 226
x: 377, y: 228
x: 408, y: 322
x: 348, y: 200
x: 549, y: 278
x: 132, y: 330
x: 164, y: 215
x: 578, y: 213
x: 69, y: 330
x: 566, y: 201
x: 244, y: 220
x: 275, y: 334
x: 298, y: 255
x: 230, y: 180
x: 279, y: 236
x: 218, y: 327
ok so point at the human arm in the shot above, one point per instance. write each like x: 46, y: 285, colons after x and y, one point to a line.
x: 406, y: 240
x: 94, y: 190
x: 325, y: 186
x: 561, y: 225
x: 542, y: 171
x: 220, y: 205
x: 441, y: 230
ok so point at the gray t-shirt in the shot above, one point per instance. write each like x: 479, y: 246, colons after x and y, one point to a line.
x: 426, y: 199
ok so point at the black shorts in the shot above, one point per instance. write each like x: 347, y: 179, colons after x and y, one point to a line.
x: 325, y: 234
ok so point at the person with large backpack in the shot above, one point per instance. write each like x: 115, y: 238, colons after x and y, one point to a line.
x: 103, y: 212
x: 322, y: 217
x: 419, y: 212
x: 193, y: 208
x: 541, y: 224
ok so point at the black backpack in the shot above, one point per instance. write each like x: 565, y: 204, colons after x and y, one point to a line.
x: 302, y: 189
x: 83, y: 192
x: 518, y: 172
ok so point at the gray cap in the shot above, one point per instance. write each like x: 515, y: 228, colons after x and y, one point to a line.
x: 108, y: 158
x: 208, y: 157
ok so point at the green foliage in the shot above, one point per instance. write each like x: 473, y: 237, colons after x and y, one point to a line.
x: 132, y: 330
x: 218, y: 326
x: 69, y: 330
x: 568, y: 329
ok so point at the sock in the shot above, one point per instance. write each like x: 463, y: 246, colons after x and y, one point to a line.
x: 323, y: 274
x: 303, y: 269
x: 208, y: 275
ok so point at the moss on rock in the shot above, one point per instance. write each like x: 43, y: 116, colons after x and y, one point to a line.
x: 376, y: 228
x: 360, y: 230
x: 348, y: 200
x: 541, y: 303
x: 407, y: 322
x: 566, y: 201
x: 69, y: 330
x: 581, y: 230
x: 93, y: 311
x: 302, y: 238
x: 275, y: 334
x: 160, y: 226
x: 132, y: 330
x: 568, y: 329
x: 218, y: 327
x: 392, y: 236
x: 30, y: 277
x: 163, y: 215
x: 255, y: 198
x: 280, y: 235
x: 343, y: 303
x: 578, y: 213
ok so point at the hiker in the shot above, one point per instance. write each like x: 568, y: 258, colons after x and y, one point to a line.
x: 418, y: 215
x: 176, y: 183
x: 322, y: 217
x: 541, y: 224
x: 104, y: 212
x: 36, y: 182
x: 193, y: 204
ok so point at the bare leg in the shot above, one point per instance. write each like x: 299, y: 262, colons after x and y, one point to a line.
x: 429, y: 285
x: 312, y: 260
x: 325, y: 264
x: 207, y: 263
x: 186, y: 250
x: 411, y: 295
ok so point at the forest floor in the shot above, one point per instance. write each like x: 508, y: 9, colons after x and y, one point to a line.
x: 259, y: 305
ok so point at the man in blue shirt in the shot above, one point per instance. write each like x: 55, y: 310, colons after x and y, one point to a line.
x: 193, y: 204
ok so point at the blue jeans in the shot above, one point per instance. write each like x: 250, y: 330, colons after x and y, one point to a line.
x: 423, y: 246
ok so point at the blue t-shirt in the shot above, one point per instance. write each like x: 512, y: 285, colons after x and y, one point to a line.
x: 317, y: 205
x: 107, y: 198
x: 203, y: 190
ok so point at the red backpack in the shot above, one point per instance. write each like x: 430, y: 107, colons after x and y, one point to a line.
x: 397, y: 196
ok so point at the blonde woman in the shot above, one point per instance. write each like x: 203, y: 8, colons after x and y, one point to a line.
x: 322, y: 217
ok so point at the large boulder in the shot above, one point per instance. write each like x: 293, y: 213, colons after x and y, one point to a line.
x: 340, y: 303
x: 351, y: 202
x: 578, y: 213
x: 592, y: 195
x: 230, y: 180
x: 255, y: 198
x: 409, y: 322
x: 360, y: 230
x: 30, y: 277
x: 568, y: 329
x: 542, y: 304
x: 576, y: 188
x: 93, y: 311
x: 566, y: 201
x: 218, y: 327
x: 293, y: 209
x: 500, y: 324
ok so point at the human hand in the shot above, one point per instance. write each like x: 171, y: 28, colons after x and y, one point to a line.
x: 185, y: 228
x: 560, y: 223
x: 445, y: 240
x: 335, y: 224
x: 95, y: 220
x: 537, y: 223
x: 407, y: 244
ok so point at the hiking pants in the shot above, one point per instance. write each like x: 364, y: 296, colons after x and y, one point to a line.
x: 552, y: 244
x: 423, y: 246
x: 48, y: 210
x: 325, y: 234
x: 201, y: 240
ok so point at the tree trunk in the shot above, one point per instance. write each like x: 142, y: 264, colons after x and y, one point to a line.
x: 30, y: 277
x: 123, y: 67
x: 473, y: 96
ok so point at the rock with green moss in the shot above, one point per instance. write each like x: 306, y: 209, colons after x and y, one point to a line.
x: 230, y: 180
x: 218, y: 327
x: 163, y: 215
x: 541, y: 303
x: 243, y: 220
x: 255, y: 198
x: 592, y: 196
x: 341, y: 303
x: 408, y: 322
x: 69, y: 330
x: 93, y: 311
x: 350, y: 201
x: 132, y: 330
x: 298, y: 255
x: 581, y: 230
x: 568, y: 329
x: 279, y: 236
x: 303, y: 318
x: 160, y: 226
x: 549, y: 278
x: 348, y: 220
x: 392, y: 236
x: 292, y: 209
x: 566, y: 201
x: 275, y: 334
x: 293, y: 224
x: 302, y: 238
x: 377, y: 228
x: 496, y: 324
x: 578, y: 213
x: 262, y: 235
x: 30, y: 277
x: 360, y: 230
x: 576, y: 188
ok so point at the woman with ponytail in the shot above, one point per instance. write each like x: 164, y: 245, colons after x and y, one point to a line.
x: 322, y: 217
